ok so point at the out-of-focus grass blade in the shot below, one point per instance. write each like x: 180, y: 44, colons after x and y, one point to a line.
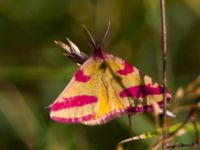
x: 188, y: 128
x: 20, y: 115
x: 20, y: 73
x: 194, y: 5
x: 70, y: 137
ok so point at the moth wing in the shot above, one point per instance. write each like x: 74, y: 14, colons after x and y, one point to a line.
x: 123, y: 89
x: 136, y: 91
x: 103, y: 89
x: 77, y: 102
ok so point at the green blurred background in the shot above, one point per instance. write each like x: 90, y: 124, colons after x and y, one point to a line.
x: 33, y: 70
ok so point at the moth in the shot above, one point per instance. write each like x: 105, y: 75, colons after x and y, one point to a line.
x: 104, y: 87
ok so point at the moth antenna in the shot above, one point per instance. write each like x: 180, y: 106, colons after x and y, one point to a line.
x: 106, y: 33
x: 90, y: 37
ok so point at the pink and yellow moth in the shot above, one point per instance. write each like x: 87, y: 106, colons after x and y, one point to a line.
x: 103, y: 88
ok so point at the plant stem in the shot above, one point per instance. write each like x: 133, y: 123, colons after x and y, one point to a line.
x: 164, y: 59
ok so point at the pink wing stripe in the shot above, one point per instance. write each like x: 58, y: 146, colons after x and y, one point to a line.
x: 141, y: 91
x: 129, y: 110
x: 74, y: 120
x: 147, y: 108
x: 76, y: 101
x: 126, y: 70
x: 81, y: 77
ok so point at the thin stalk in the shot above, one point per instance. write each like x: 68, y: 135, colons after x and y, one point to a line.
x: 130, y: 124
x: 164, y: 60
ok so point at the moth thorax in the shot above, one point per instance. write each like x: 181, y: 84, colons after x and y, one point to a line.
x: 103, y: 65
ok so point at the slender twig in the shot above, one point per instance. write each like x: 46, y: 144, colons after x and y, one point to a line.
x: 194, y: 122
x: 164, y: 58
x: 193, y: 145
x: 130, y: 124
x: 189, y: 118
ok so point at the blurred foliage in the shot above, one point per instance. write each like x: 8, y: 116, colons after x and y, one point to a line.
x: 33, y: 70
